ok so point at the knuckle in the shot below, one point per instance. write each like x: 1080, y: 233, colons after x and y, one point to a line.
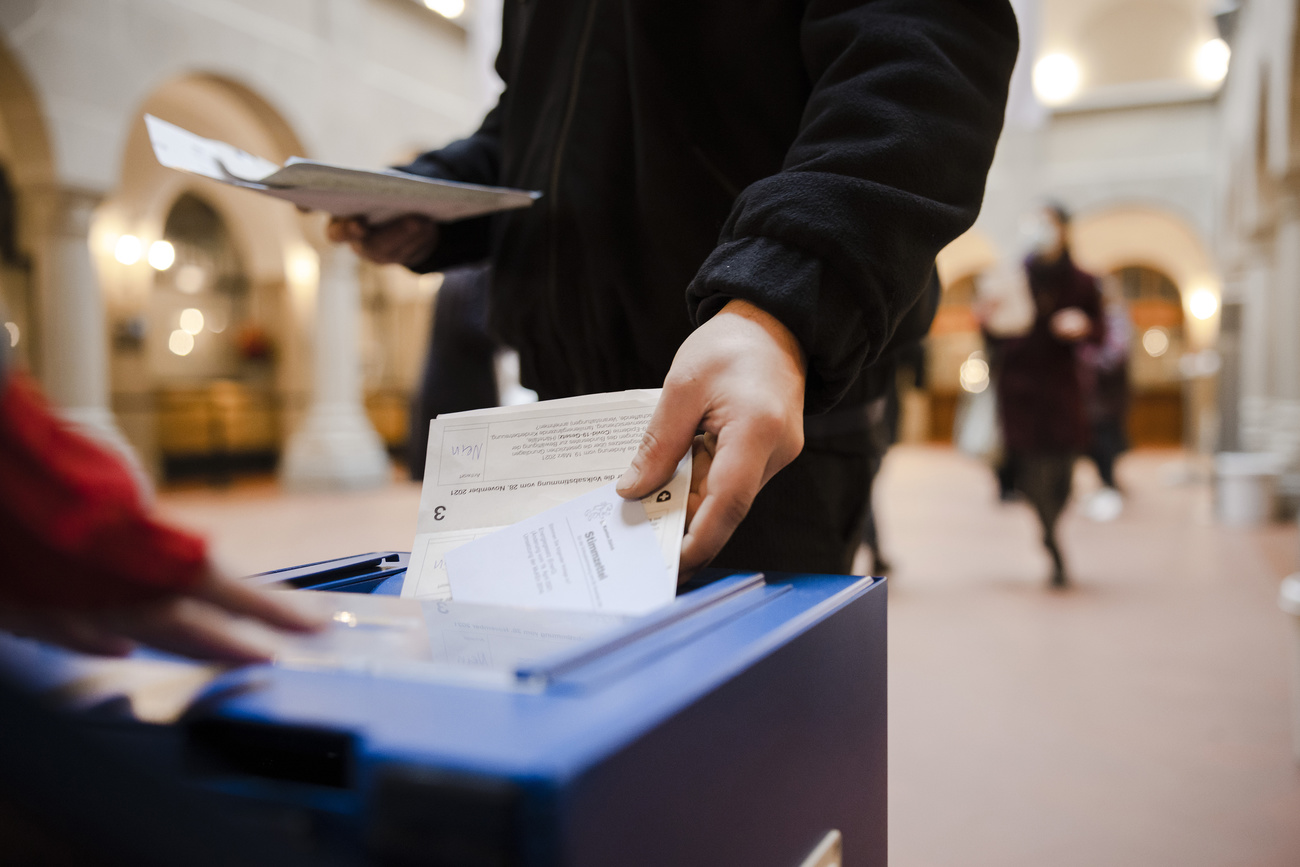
x: 733, y: 508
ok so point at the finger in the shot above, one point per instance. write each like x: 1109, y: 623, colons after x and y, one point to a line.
x: 389, y: 244
x: 701, y: 460
x: 342, y: 229
x: 72, y: 630
x: 190, y: 628
x: 738, y: 471
x: 270, y: 608
x: 670, y: 433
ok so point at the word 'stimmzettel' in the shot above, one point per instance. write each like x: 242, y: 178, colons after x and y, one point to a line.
x: 489, y: 469
x: 378, y: 196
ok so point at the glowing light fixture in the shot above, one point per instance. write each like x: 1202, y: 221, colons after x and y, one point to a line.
x: 1056, y: 78
x: 181, y: 342
x: 128, y: 249
x: 12, y: 328
x: 1155, y: 341
x: 1203, y: 304
x: 1212, y: 61
x: 161, y: 255
x: 447, y: 8
x: 191, y: 320
x: 975, y: 373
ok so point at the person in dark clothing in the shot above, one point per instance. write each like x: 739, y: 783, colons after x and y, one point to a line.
x: 1040, y: 394
x: 460, y: 365
x: 743, y: 201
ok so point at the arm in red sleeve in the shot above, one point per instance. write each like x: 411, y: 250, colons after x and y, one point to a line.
x: 73, y: 530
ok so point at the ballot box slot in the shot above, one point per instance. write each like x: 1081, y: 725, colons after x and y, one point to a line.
x: 335, y: 574
x: 292, y: 754
x: 607, y: 669
x: 701, y: 610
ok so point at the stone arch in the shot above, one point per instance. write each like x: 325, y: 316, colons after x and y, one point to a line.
x: 277, y: 246
x: 1106, y: 240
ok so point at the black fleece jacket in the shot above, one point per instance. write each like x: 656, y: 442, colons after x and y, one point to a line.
x: 809, y: 156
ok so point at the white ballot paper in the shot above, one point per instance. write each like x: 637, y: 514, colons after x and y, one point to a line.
x: 378, y: 196
x: 597, y: 552
x: 488, y: 469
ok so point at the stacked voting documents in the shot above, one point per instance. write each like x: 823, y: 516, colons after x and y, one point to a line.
x: 519, y: 508
x: 377, y: 196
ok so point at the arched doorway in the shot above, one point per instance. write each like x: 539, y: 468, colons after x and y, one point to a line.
x: 1157, y: 342
x: 1169, y: 281
x: 209, y: 335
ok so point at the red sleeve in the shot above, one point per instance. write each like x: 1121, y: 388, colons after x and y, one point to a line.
x: 73, y: 530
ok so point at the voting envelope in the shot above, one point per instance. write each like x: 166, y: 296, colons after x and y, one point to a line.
x: 742, y: 724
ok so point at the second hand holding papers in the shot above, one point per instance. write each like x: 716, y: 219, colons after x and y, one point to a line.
x: 519, y: 508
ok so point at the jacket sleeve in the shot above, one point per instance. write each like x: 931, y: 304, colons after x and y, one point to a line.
x: 73, y: 530
x: 906, y: 105
x: 472, y: 160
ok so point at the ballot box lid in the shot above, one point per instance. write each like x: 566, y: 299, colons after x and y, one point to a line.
x: 573, y: 710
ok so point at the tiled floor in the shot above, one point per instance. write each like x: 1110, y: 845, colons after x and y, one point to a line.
x: 1138, y: 719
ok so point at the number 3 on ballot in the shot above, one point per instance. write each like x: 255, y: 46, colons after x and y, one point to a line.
x: 439, y: 512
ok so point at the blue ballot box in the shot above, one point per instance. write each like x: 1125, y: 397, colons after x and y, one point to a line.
x: 744, y: 724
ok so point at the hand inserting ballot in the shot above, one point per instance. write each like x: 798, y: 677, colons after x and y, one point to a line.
x: 735, y: 393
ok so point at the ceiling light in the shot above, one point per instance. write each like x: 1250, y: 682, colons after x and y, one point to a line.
x: 1155, y: 341
x: 1212, y: 60
x: 1203, y: 304
x: 127, y: 250
x: 191, y: 320
x: 161, y: 255
x: 447, y: 8
x: 1056, y: 79
x: 181, y: 342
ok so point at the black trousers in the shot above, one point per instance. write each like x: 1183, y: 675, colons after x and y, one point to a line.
x: 810, y: 516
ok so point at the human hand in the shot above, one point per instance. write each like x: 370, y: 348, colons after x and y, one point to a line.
x: 198, y: 622
x: 404, y: 241
x: 738, y: 380
x: 1070, y: 324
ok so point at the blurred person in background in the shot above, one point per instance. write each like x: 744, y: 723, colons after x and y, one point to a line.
x: 1104, y: 369
x: 743, y: 206
x: 1041, y: 398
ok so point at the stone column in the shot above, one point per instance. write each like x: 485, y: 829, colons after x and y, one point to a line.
x: 73, y: 331
x: 1254, y: 350
x: 336, y: 447
x: 1284, y: 366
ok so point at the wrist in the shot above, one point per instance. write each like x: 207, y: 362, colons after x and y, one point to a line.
x: 780, y: 335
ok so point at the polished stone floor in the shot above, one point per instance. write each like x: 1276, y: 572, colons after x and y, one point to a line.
x: 1140, y: 718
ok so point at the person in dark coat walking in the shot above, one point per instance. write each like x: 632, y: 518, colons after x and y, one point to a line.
x: 742, y: 203
x: 1041, y: 400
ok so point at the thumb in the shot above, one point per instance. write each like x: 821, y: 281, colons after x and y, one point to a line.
x: 667, y: 439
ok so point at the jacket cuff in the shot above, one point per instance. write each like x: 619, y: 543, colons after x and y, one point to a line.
x: 459, y: 243
x: 798, y: 290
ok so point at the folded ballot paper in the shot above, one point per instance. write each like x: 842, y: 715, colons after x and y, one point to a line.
x: 519, y: 509
x: 378, y: 196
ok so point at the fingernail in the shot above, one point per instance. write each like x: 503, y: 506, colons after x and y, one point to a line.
x: 628, y: 479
